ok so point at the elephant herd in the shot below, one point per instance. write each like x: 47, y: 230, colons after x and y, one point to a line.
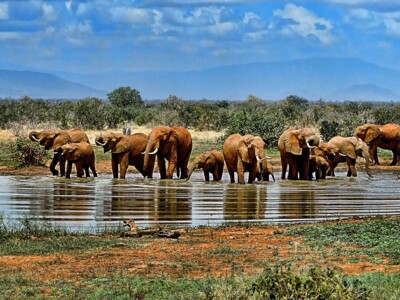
x: 302, y: 153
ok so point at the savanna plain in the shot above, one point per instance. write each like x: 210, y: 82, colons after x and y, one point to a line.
x: 344, y: 259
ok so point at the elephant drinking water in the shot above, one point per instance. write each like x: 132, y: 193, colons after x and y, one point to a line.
x: 54, y: 139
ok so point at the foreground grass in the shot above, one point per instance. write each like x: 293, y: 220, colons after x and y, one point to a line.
x: 376, y: 238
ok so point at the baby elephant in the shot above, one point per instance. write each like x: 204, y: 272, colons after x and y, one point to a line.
x: 319, y: 166
x: 82, y: 155
x: 211, y: 162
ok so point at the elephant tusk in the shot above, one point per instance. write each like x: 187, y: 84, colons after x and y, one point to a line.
x: 151, y: 153
x: 100, y: 144
x: 35, y: 138
x: 261, y: 159
x: 341, y: 154
x: 309, y: 146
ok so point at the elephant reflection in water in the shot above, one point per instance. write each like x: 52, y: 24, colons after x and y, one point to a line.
x: 72, y: 200
x: 246, y: 202
x: 172, y: 203
x: 297, y: 205
x: 161, y: 202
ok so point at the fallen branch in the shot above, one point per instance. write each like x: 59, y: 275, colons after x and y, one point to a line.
x: 135, y: 232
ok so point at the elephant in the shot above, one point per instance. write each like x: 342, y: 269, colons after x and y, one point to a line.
x: 383, y: 136
x: 54, y: 139
x: 211, y: 162
x: 319, y: 161
x: 173, y: 144
x: 294, y: 146
x: 319, y: 166
x: 82, y: 155
x: 126, y: 150
x: 246, y: 154
x: 347, y: 149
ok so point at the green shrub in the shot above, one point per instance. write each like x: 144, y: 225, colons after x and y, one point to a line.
x: 27, y: 153
x: 280, y: 282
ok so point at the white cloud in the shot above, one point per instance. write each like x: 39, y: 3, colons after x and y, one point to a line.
x: 68, y: 5
x: 76, y: 33
x: 9, y: 35
x: 132, y: 15
x: 49, y: 13
x: 305, y: 23
x: 3, y: 11
x: 371, y: 20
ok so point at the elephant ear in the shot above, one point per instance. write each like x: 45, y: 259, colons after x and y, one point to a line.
x: 121, y: 144
x: 292, y: 145
x: 372, y: 133
x: 244, y: 146
x: 348, y: 148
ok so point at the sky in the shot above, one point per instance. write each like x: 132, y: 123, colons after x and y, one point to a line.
x: 179, y: 35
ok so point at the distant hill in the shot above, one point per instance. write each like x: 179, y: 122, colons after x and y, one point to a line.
x: 326, y: 78
x: 15, y: 84
x: 333, y: 79
x: 366, y: 92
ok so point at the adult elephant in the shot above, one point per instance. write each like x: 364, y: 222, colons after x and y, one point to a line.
x: 126, y: 150
x: 54, y: 139
x: 294, y: 146
x: 383, y: 136
x: 172, y: 144
x: 347, y: 149
x: 82, y: 155
x: 210, y: 162
x: 246, y: 154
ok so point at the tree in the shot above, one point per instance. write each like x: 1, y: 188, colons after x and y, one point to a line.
x: 128, y: 102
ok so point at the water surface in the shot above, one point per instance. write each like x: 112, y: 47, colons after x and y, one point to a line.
x: 92, y: 203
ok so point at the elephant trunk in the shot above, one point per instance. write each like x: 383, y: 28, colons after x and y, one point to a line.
x: 147, y: 152
x: 366, y: 158
x: 191, y: 169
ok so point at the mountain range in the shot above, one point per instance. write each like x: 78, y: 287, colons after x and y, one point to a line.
x: 331, y: 79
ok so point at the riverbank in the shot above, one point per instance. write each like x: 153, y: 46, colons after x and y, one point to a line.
x: 64, y: 265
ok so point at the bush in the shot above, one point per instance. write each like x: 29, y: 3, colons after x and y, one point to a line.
x: 27, y: 153
x: 281, y: 283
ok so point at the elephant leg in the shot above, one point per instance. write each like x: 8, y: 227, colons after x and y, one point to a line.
x: 69, y: 169
x: 114, y: 164
x: 206, y: 175
x: 123, y: 165
x: 79, y: 170
x: 161, y: 167
x: 284, y: 167
x: 170, y: 171
x: 53, y: 164
x: 351, y: 167
x: 395, y: 158
x: 240, y: 170
x: 62, y: 165
x: 231, y: 176
x: 87, y: 171
x: 93, y: 169
x: 215, y: 174
x: 252, y: 174
x: 374, y: 152
x: 293, y: 169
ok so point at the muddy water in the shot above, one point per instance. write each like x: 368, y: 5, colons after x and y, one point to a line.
x: 90, y: 204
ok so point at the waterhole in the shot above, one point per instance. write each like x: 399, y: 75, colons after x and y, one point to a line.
x: 93, y: 203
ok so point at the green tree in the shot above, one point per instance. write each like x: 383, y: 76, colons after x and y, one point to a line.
x: 128, y: 101
x: 91, y: 113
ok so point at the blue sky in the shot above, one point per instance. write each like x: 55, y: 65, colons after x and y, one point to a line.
x: 127, y: 35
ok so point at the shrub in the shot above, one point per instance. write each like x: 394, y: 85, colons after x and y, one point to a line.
x: 27, y: 153
x: 281, y: 283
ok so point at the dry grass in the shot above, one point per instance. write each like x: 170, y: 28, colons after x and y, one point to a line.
x: 9, y: 134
